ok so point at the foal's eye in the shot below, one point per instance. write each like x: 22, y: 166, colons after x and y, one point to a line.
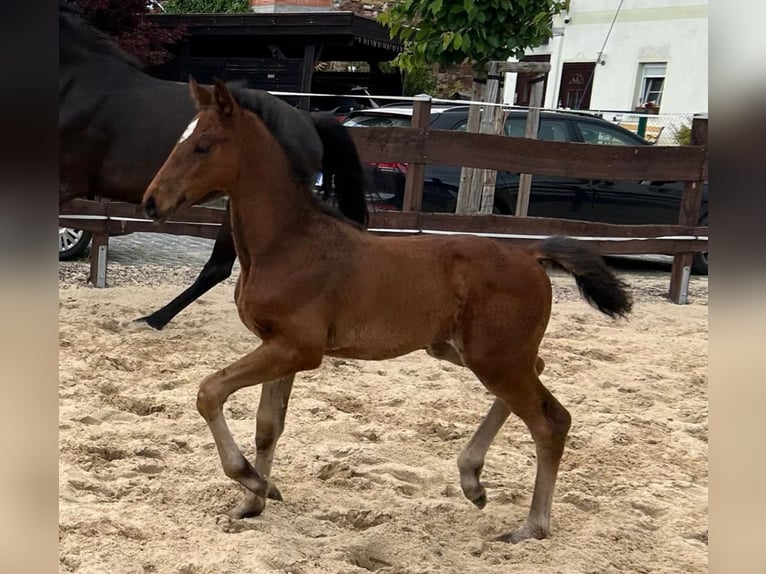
x: 202, y: 146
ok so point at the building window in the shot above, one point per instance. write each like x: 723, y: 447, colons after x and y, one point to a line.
x: 652, y: 84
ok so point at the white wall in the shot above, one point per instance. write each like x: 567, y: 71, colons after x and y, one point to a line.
x: 671, y: 31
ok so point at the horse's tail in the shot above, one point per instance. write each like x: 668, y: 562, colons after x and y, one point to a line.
x: 340, y: 161
x: 597, y: 283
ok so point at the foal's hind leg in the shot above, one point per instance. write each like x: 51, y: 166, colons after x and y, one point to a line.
x: 471, y: 460
x: 548, y: 422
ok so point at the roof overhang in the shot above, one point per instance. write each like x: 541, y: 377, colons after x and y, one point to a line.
x: 344, y: 36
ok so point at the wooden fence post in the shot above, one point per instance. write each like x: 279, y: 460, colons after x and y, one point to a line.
x: 689, y: 215
x: 413, y: 185
x: 483, y: 184
x: 476, y: 193
x: 99, y: 248
x: 467, y: 173
x: 533, y: 124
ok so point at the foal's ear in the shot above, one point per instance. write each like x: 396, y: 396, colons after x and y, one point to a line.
x: 223, y: 98
x: 202, y: 97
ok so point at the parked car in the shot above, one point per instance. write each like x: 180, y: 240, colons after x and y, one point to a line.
x: 72, y: 243
x: 619, y: 202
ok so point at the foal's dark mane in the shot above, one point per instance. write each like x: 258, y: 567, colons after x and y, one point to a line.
x: 77, y: 33
x: 279, y: 117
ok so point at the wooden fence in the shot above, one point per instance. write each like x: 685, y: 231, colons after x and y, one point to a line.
x: 420, y: 146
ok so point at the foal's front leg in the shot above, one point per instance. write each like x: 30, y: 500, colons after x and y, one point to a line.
x: 271, y: 361
x: 270, y: 422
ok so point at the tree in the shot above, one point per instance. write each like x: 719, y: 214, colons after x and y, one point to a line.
x: 451, y: 31
x: 206, y: 6
x: 125, y: 21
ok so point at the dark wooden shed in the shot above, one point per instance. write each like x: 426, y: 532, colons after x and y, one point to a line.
x: 280, y: 51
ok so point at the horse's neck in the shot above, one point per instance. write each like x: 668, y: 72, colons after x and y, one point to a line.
x: 269, y: 209
x: 82, y: 63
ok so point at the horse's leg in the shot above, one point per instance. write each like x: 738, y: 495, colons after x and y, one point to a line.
x: 269, y: 362
x: 548, y: 422
x: 270, y: 422
x: 217, y: 269
x: 471, y: 461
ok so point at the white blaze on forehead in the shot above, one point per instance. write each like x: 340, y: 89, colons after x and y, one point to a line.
x: 189, y: 130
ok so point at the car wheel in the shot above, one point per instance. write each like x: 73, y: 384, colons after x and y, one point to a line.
x: 700, y: 261
x: 72, y: 243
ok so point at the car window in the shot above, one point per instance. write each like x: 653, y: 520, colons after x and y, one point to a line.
x: 603, y: 135
x: 515, y: 127
x: 375, y: 121
x: 549, y: 130
x: 460, y: 126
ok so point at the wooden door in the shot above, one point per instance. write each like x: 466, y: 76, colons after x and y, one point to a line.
x: 576, y: 85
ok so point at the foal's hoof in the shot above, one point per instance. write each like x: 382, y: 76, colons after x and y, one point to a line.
x: 251, y: 505
x: 481, y: 500
x: 476, y: 495
x: 274, y: 493
x: 523, y: 533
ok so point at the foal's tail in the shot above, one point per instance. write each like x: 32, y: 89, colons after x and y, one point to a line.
x: 597, y: 283
x: 341, y: 160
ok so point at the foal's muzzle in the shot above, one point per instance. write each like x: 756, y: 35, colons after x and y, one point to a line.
x: 150, y: 208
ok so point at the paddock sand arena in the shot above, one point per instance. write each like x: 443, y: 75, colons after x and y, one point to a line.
x: 367, y: 463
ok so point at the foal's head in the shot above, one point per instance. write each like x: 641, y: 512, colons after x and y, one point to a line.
x: 206, y: 159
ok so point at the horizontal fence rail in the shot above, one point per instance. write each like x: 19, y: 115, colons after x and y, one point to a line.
x: 522, y: 155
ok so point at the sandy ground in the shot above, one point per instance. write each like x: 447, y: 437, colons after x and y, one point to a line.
x: 367, y: 464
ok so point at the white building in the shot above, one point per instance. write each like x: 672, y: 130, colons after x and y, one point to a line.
x: 656, y: 51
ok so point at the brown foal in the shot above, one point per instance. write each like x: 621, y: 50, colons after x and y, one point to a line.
x: 313, y: 285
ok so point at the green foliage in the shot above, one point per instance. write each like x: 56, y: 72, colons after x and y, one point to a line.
x: 419, y: 80
x: 450, y: 31
x: 206, y: 6
x: 683, y: 135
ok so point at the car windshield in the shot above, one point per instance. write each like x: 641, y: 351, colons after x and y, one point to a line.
x: 379, y: 121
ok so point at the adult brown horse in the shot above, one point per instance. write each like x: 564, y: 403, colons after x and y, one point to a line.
x: 313, y: 285
x: 117, y: 125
